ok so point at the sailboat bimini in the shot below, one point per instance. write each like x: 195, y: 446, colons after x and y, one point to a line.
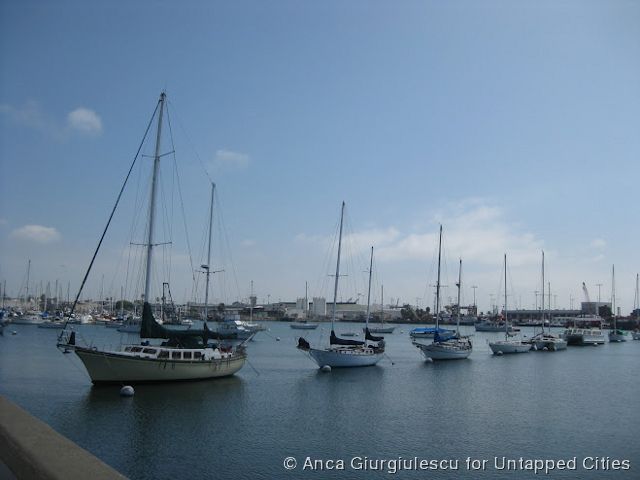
x: 182, y: 354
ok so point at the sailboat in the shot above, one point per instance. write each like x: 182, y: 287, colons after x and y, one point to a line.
x: 450, y: 347
x: 382, y: 328
x: 182, y: 355
x: 304, y: 324
x: 507, y: 346
x: 546, y: 341
x: 615, y: 335
x: 343, y: 352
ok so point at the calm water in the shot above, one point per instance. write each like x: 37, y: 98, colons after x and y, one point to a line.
x: 581, y: 403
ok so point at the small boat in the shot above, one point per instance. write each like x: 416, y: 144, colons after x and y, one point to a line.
x: 453, y: 347
x: 382, y: 328
x: 615, y: 335
x: 430, y: 332
x: 507, y: 346
x: 494, y: 326
x: 52, y: 324
x: 580, y: 336
x: 546, y: 341
x: 304, y: 324
x: 343, y: 352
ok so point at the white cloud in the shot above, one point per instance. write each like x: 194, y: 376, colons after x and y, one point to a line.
x: 598, y: 243
x: 229, y: 159
x: 85, y: 121
x: 31, y: 115
x: 36, y: 233
x: 247, y: 243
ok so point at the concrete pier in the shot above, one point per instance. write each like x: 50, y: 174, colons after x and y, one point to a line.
x: 30, y: 449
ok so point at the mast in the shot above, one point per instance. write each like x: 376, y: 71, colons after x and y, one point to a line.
x: 438, y: 283
x: 382, y: 304
x: 335, y: 288
x: 208, y: 266
x: 152, y: 201
x: 28, y: 273
x: 613, y: 297
x: 459, y: 288
x: 543, y: 292
x: 306, y: 301
x: 635, y: 299
x: 369, y: 292
x: 506, y: 324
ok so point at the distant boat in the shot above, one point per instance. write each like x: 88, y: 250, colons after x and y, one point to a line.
x: 493, y: 326
x: 507, y: 346
x: 429, y: 332
x: 453, y: 347
x: 52, y: 324
x: 546, y: 341
x: 615, y: 335
x: 343, y: 352
x: 382, y: 328
x: 304, y: 324
x: 183, y: 354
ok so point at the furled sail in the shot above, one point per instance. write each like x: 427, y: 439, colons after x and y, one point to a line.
x: 334, y: 340
x: 185, y: 338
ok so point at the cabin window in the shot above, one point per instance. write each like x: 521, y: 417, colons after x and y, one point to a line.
x: 197, y: 355
x: 187, y: 355
x: 149, y: 350
x: 176, y: 355
x: 163, y: 354
x: 136, y: 349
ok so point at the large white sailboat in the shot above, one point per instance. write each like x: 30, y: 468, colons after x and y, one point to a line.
x: 615, y: 335
x: 546, y: 341
x: 343, y: 352
x: 453, y: 347
x: 182, y: 354
x: 507, y: 345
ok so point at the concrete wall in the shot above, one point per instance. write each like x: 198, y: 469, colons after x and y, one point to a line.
x: 33, y: 450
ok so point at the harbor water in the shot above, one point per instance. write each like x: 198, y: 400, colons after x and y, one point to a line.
x: 281, y: 417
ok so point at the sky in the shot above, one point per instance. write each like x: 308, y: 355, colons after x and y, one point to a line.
x: 513, y: 124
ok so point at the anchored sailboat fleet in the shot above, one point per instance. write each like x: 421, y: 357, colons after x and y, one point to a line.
x: 182, y: 355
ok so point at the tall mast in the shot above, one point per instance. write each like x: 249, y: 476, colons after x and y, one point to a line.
x: 152, y: 201
x: 382, y: 304
x: 369, y: 292
x: 306, y: 300
x: 543, y: 293
x: 208, y: 266
x: 613, y: 297
x: 335, y: 288
x: 459, y: 288
x: 506, y: 325
x: 635, y: 299
x: 28, y: 273
x: 438, y: 283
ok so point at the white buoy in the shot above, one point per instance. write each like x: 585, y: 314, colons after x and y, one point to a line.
x: 13, y: 332
x: 499, y: 352
x: 428, y: 359
x: 546, y: 349
x: 277, y: 339
x: 127, y: 391
x: 326, y: 368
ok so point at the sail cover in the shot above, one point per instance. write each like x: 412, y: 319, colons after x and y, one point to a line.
x: 368, y: 336
x: 333, y: 340
x: 184, y: 338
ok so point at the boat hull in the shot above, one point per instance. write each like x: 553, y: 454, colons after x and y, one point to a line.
x: 444, y: 350
x: 304, y: 326
x: 616, y: 337
x: 509, y: 347
x: 581, y: 337
x: 381, y: 329
x: 346, y: 357
x: 550, y: 344
x: 111, y: 367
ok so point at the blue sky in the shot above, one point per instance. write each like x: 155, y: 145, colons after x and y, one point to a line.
x: 514, y: 124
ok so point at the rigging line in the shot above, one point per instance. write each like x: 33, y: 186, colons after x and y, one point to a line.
x: 184, y: 216
x: 113, y: 211
x: 206, y: 172
x: 228, y: 244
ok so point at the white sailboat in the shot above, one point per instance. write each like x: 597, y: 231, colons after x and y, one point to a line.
x: 507, y: 346
x: 382, y: 328
x: 453, y: 347
x: 546, y: 341
x: 182, y: 355
x: 615, y: 335
x: 304, y: 324
x: 342, y: 352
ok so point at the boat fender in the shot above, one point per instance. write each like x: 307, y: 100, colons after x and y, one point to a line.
x: 326, y: 368
x: 499, y: 352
